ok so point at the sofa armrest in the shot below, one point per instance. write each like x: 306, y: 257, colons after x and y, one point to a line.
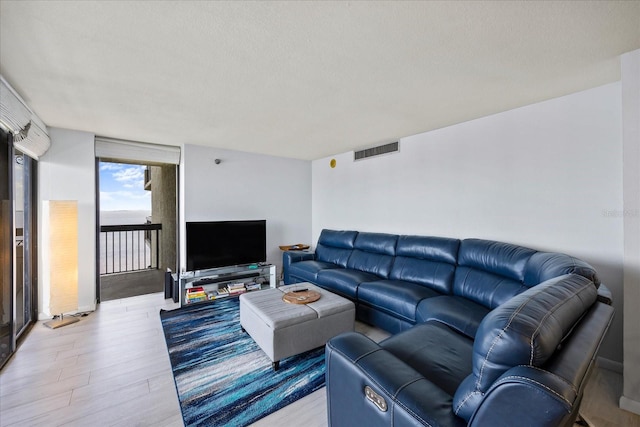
x: 367, y: 385
x: 289, y: 257
x: 604, y: 294
x: 525, y: 390
x: 558, y: 387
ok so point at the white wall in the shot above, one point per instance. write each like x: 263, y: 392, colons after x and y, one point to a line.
x: 631, y: 140
x: 242, y: 186
x: 547, y: 176
x: 247, y: 186
x: 67, y: 172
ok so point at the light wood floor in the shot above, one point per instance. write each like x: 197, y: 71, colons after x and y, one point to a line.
x: 112, y: 369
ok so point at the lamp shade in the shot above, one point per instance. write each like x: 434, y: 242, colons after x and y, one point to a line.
x: 61, y: 231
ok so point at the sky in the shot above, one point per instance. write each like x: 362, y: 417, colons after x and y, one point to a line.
x: 122, y: 187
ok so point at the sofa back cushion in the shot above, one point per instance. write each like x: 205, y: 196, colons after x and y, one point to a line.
x: 373, y: 253
x: 490, y: 273
x: 335, y: 246
x: 428, y: 261
x: 543, y: 266
x: 526, y: 330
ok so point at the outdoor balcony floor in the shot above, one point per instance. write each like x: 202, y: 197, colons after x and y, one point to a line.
x: 130, y: 284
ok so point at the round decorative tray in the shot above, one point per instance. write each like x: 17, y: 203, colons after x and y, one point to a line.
x: 301, y: 297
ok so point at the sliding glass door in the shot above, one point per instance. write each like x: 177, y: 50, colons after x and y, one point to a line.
x: 18, y: 244
x: 24, y: 244
x: 7, y: 343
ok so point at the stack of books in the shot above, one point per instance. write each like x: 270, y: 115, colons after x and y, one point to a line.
x: 196, y: 294
x: 253, y: 286
x: 236, y: 288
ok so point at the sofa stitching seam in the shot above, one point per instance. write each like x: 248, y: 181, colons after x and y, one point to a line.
x: 549, y: 389
x: 464, y: 401
x: 393, y: 396
x: 406, y: 408
x: 564, y: 380
x: 340, y: 352
x: 383, y: 309
x: 549, y: 314
x: 366, y: 354
x: 497, y: 338
x: 495, y: 341
x: 494, y: 291
x: 373, y: 381
x: 464, y: 282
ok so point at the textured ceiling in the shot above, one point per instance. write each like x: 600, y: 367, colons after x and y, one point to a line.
x: 301, y: 79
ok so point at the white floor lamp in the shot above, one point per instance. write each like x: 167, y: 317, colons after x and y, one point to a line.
x: 60, y: 239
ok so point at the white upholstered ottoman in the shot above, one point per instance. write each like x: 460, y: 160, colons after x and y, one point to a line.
x: 282, y: 329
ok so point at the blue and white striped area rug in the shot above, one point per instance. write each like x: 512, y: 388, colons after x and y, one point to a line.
x: 221, y: 375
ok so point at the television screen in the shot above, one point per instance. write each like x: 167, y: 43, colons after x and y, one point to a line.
x: 225, y: 243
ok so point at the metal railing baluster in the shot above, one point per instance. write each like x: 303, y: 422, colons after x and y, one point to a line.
x: 130, y: 252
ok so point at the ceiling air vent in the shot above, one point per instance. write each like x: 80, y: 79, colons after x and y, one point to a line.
x: 376, y: 151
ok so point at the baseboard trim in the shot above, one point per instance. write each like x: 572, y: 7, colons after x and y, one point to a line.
x: 610, y: 365
x: 44, y: 317
x: 83, y: 309
x: 86, y: 308
x: 630, y: 405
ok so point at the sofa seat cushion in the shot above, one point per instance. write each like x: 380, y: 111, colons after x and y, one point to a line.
x: 395, y: 297
x: 437, y: 352
x: 344, y: 281
x: 308, y: 270
x: 458, y: 313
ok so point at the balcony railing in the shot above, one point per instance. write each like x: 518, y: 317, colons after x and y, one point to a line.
x: 126, y: 248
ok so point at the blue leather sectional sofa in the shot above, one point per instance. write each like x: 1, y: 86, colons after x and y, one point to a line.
x: 485, y: 333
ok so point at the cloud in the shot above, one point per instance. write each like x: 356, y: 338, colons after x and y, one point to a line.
x: 130, y: 177
x: 122, y: 187
x: 110, y: 166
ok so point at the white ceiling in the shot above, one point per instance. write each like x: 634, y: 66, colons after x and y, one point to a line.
x: 301, y: 79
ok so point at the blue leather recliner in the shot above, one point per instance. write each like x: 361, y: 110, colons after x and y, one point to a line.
x: 485, y: 333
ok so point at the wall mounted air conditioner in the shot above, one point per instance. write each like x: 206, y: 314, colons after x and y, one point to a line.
x: 29, y: 132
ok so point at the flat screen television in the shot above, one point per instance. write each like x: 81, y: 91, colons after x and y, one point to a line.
x: 213, y: 244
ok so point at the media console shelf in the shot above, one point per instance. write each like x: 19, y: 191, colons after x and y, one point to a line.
x: 213, y: 279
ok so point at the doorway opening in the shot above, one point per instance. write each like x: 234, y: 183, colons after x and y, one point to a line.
x: 137, y: 218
